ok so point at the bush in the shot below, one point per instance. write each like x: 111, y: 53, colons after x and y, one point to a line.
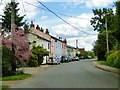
x: 6, y: 61
x: 33, y: 60
x: 114, y: 59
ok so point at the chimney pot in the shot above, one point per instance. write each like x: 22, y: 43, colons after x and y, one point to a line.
x: 47, y: 30
x: 31, y: 22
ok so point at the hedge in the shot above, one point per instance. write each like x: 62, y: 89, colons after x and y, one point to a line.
x: 114, y: 59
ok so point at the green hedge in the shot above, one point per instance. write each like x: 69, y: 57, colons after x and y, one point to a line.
x: 114, y: 59
x: 33, y: 61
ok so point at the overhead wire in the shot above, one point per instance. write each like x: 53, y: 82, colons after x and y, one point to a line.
x: 64, y: 20
x: 56, y: 12
x: 47, y: 9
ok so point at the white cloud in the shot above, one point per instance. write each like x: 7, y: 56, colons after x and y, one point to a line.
x: 82, y: 24
x: 73, y: 34
x: 44, y: 17
x: 83, y: 42
x: 99, y: 3
x: 31, y: 11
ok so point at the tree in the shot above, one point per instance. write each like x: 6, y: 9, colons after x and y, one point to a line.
x: 116, y: 24
x: 7, y: 17
x: 98, y: 21
x: 40, y: 52
x: 19, y: 46
x: 100, y: 45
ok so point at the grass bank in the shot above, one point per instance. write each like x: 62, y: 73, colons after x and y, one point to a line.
x: 15, y: 77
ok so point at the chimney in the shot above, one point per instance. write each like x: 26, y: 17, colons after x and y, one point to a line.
x: 59, y: 37
x: 47, y: 32
x: 31, y: 22
x: 65, y: 41
x: 38, y: 28
x: 31, y: 25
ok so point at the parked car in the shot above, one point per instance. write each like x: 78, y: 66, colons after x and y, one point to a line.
x: 69, y: 58
x: 53, y: 60
x: 76, y: 59
x: 82, y: 57
x: 64, y: 59
x: 89, y: 57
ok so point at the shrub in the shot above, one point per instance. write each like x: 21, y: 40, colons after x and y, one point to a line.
x: 114, y: 59
x: 6, y: 61
x: 33, y: 60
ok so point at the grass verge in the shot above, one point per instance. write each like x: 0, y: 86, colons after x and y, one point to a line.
x: 4, y: 87
x: 16, y: 77
x: 102, y: 63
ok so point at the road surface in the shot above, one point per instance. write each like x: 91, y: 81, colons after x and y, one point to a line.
x: 77, y: 74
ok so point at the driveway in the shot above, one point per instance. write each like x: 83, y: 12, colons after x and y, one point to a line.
x: 77, y: 74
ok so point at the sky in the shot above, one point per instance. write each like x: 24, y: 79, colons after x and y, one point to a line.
x: 77, y: 13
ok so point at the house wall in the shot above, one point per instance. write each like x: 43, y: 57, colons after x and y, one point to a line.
x: 41, y: 42
x: 69, y: 51
x: 63, y: 49
x: 58, y: 49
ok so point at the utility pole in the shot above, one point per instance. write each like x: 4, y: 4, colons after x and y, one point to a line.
x: 107, y: 37
x: 12, y: 16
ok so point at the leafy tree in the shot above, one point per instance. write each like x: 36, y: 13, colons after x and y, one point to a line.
x: 7, y: 17
x: 100, y: 45
x: 19, y: 46
x: 40, y: 52
x: 116, y: 24
x: 98, y: 21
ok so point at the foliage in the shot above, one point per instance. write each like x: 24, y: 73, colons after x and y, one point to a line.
x: 6, y: 19
x: 4, y: 87
x: 16, y: 77
x: 40, y: 52
x: 33, y: 60
x: 19, y: 46
x: 100, y: 45
x: 100, y: 15
x: 116, y: 24
x: 92, y: 54
x: 114, y: 59
x: 86, y: 54
x: 6, y: 61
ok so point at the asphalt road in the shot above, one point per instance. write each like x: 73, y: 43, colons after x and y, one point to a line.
x: 78, y: 74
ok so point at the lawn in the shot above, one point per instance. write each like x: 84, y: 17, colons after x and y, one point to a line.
x: 16, y: 77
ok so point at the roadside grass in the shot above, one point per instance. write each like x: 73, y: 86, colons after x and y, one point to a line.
x: 102, y: 63
x: 105, y: 63
x: 4, y: 87
x: 15, y: 77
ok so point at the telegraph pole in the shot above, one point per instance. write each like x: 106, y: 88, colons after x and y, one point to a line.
x: 12, y: 16
x: 107, y: 38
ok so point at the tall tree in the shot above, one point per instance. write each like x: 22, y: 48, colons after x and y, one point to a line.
x: 116, y: 28
x: 6, y: 25
x: 19, y: 46
x: 98, y: 21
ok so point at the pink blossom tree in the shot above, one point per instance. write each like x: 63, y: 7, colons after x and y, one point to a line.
x: 18, y: 44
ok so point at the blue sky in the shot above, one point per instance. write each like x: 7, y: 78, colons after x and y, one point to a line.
x: 77, y: 8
